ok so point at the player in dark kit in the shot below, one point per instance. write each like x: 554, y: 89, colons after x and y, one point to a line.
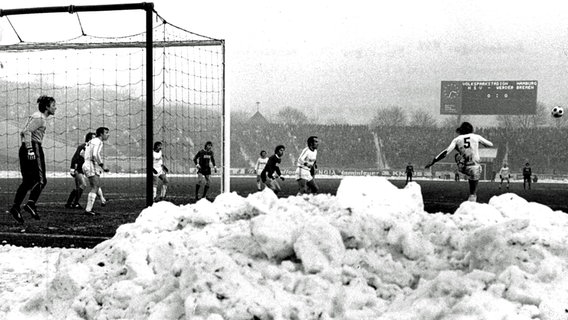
x: 32, y: 159
x: 76, y: 172
x: 409, y: 172
x: 271, y: 172
x: 203, y: 161
x: 527, y: 173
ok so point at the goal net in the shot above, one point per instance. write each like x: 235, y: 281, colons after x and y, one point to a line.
x: 103, y: 81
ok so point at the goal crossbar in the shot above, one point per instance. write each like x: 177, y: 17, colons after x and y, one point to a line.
x: 112, y: 45
x: 73, y: 9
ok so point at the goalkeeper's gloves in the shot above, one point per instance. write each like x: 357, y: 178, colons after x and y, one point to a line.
x: 72, y: 172
x: 166, y: 170
x: 154, y: 171
x: 198, y: 167
x: 215, y: 168
x: 31, y: 154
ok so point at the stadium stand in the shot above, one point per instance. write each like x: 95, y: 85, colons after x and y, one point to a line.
x: 362, y: 147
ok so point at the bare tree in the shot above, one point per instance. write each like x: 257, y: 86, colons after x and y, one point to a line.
x: 422, y: 118
x: 239, y: 116
x: 525, y: 121
x: 389, y: 117
x: 335, y: 120
x: 291, y: 116
x: 449, y: 122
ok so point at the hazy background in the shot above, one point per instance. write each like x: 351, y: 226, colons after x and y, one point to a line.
x: 339, y: 61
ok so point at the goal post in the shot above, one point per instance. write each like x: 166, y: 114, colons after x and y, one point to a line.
x: 165, y: 83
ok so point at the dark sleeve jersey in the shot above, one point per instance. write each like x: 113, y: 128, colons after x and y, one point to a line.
x: 271, y: 167
x: 205, y: 159
x: 409, y: 169
x: 527, y: 171
x: 78, y: 160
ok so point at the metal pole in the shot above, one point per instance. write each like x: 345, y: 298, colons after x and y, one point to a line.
x: 226, y: 173
x: 72, y: 9
x: 114, y: 45
x: 149, y: 104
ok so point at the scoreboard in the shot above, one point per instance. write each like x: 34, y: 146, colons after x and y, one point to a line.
x: 488, y: 97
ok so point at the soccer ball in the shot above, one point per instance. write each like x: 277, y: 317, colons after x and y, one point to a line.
x: 557, y: 112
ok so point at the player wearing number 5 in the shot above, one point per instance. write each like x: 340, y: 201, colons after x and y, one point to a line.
x: 94, y: 166
x: 468, y: 161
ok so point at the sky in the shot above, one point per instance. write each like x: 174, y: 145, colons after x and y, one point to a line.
x: 337, y: 61
x: 371, y: 252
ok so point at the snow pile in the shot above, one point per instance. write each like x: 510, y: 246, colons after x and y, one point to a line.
x: 371, y: 252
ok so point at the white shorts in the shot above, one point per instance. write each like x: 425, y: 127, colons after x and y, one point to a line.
x: 472, y: 172
x: 91, y: 169
x: 273, y: 184
x: 159, y: 171
x: 303, y: 173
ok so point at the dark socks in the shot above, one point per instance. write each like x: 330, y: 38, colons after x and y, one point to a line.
x: 72, y: 196
x: 78, y: 195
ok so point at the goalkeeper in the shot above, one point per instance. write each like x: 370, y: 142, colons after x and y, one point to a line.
x: 160, y: 172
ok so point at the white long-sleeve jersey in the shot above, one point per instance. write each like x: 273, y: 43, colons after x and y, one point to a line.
x: 260, y: 164
x: 504, y: 172
x: 467, y: 145
x: 158, y: 161
x: 93, y: 151
x: 307, y: 158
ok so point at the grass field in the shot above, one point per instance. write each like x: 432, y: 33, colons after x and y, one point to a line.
x: 71, y: 227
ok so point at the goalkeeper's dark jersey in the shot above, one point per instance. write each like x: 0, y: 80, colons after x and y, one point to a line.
x: 78, y: 158
x: 205, y: 159
x: 271, y: 168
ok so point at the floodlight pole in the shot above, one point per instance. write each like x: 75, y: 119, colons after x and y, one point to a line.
x: 149, y: 8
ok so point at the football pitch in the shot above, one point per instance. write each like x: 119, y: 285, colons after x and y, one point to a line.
x: 62, y: 227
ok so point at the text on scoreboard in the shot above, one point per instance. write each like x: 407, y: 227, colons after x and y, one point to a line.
x: 488, y: 97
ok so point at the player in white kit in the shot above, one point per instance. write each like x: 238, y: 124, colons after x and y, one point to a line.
x: 504, y: 174
x: 306, y: 161
x: 159, y: 171
x: 94, y: 166
x: 258, y: 167
x: 468, y: 161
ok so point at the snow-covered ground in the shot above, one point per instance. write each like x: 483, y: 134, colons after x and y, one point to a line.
x: 371, y: 252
